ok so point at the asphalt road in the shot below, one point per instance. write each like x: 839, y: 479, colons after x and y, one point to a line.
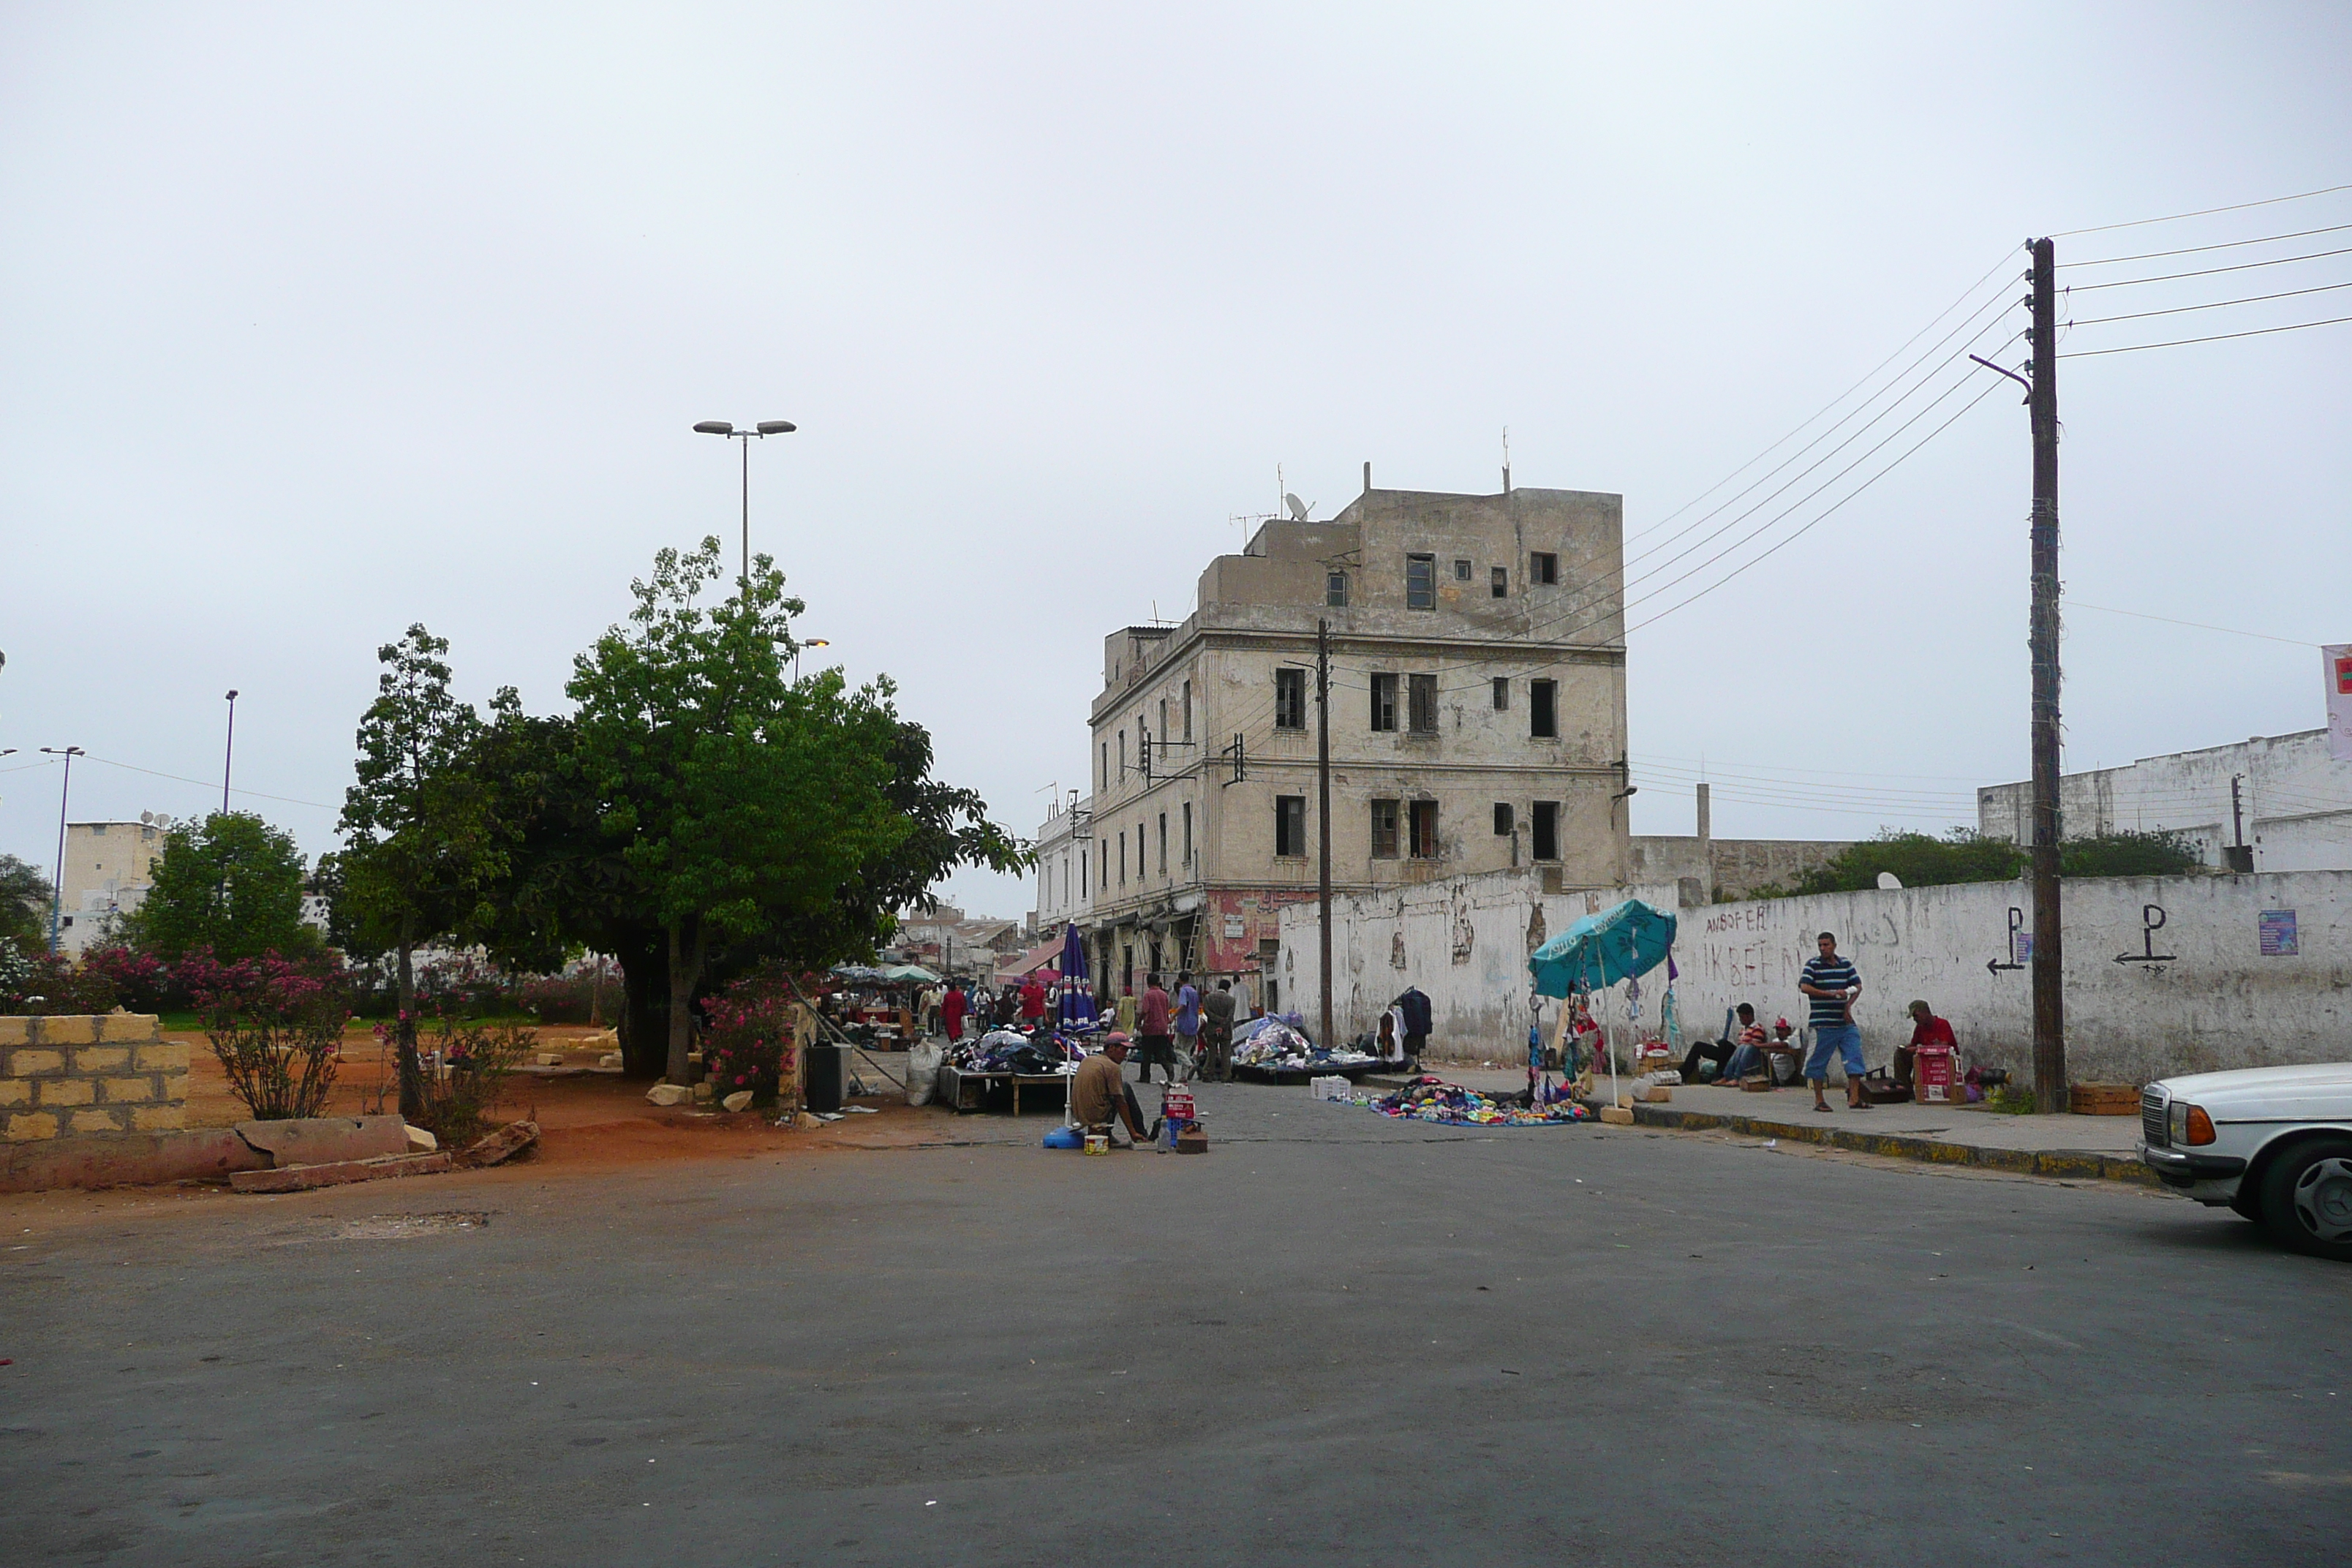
x: 1332, y: 1340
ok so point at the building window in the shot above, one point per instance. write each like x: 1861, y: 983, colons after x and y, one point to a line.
x: 1421, y: 582
x: 1335, y: 589
x: 1543, y: 567
x: 1082, y: 873
x: 1384, y: 829
x: 1188, y: 711
x: 1498, y: 583
x: 1188, y: 834
x: 1384, y: 702
x: 1422, y: 691
x: 1420, y: 818
x: 1290, y: 824
x: 1290, y: 700
x: 1461, y: 571
x: 1163, y: 718
x: 1543, y: 717
x: 1505, y: 819
x: 1164, y: 844
x: 1104, y: 781
x: 1546, y: 832
x: 1122, y: 756
x: 1502, y: 684
x: 1122, y: 857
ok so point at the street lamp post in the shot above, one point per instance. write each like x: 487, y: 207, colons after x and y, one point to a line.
x: 813, y: 642
x: 57, y: 889
x: 763, y: 429
x: 228, y: 753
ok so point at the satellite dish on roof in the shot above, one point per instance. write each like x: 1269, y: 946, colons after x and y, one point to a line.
x: 148, y: 817
x: 1889, y: 882
x: 1298, y: 509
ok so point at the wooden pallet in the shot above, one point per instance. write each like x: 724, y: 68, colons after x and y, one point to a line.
x: 2103, y: 1099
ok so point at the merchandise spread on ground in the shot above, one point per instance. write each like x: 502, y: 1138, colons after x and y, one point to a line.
x: 1433, y: 1099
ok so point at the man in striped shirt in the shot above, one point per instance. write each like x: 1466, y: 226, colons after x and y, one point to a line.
x: 1830, y: 983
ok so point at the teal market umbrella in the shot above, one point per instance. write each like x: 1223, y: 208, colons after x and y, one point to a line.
x: 1600, y: 950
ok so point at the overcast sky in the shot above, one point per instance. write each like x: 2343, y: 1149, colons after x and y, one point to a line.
x: 317, y: 321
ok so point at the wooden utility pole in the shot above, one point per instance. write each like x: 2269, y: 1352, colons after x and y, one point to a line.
x: 1323, y: 813
x: 2049, y: 948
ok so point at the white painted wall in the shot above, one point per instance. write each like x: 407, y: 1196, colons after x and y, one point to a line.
x: 2214, y: 1001
x: 1464, y: 942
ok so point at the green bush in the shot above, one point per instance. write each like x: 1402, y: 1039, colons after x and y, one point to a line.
x: 1964, y: 855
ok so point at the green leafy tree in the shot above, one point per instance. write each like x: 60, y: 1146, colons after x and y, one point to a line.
x: 421, y: 844
x: 739, y: 799
x: 2130, y: 854
x: 1918, y: 860
x: 24, y: 905
x: 231, y: 884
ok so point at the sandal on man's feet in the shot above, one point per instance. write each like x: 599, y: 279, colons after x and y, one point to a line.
x: 1826, y: 1109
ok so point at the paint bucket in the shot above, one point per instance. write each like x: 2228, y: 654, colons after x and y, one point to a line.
x: 1098, y: 1143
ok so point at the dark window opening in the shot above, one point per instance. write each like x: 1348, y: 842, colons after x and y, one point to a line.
x: 1164, y: 844
x: 1335, y: 589
x: 1498, y: 583
x: 1504, y: 818
x: 1502, y: 694
x: 1384, y: 702
x: 1422, y: 693
x: 1421, y: 582
x: 1546, y: 832
x: 1290, y: 700
x: 1188, y: 833
x: 1543, y: 718
x: 1122, y: 857
x: 1290, y: 824
x: 1461, y: 571
x: 1543, y: 566
x: 1384, y: 829
x: 1420, y: 818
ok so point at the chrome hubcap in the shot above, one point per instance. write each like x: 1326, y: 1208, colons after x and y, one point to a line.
x: 2323, y: 1200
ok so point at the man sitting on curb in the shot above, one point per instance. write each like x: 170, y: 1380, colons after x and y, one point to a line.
x: 1100, y: 1095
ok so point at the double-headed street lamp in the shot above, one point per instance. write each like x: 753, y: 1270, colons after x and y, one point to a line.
x: 763, y: 429
x: 57, y: 890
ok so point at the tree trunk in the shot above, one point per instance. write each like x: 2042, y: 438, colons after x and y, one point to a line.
x: 644, y: 1022
x: 685, y: 968
x: 412, y: 1076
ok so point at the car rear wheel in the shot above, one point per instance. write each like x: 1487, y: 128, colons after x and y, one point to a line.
x: 2307, y: 1198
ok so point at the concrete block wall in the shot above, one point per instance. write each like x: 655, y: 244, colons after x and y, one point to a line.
x: 72, y: 1076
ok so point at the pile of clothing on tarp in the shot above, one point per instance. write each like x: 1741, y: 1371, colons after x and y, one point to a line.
x: 1008, y: 1050
x: 1278, y: 1043
x: 1428, y: 1098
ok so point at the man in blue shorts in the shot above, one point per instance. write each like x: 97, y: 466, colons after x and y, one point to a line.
x: 1830, y: 983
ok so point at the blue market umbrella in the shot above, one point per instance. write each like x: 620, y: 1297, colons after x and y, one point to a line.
x: 1600, y: 950
x: 1076, y: 1004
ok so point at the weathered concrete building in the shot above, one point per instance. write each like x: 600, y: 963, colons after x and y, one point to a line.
x: 2293, y: 803
x: 1065, y: 862
x: 109, y: 868
x: 1477, y: 712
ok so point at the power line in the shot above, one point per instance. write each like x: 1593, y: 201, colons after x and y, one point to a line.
x: 2217, y: 337
x: 2210, y: 305
x: 176, y: 778
x: 2200, y: 625
x: 1832, y: 403
x: 2208, y: 212
x: 2200, y: 249
x: 2206, y: 271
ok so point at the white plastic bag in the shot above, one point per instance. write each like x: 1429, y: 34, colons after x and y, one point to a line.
x: 923, y: 1070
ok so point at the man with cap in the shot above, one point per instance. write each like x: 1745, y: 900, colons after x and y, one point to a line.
x: 1100, y: 1095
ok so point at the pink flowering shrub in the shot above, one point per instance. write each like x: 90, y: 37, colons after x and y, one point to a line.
x: 747, y: 1036
x: 275, y: 1023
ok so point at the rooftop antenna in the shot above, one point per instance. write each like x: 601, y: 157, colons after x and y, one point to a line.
x: 1507, y: 460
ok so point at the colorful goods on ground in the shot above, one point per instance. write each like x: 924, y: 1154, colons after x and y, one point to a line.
x: 1433, y: 1099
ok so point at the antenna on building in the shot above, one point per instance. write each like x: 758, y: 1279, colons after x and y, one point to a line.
x: 1507, y: 460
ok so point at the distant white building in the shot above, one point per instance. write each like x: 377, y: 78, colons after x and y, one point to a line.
x: 1064, y: 864
x: 2292, y: 808
x: 109, y: 867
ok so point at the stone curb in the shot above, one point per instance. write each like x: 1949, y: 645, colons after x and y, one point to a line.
x: 300, y: 1178
x: 2062, y: 1163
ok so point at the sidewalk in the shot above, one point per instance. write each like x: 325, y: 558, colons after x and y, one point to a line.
x: 2071, y: 1146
